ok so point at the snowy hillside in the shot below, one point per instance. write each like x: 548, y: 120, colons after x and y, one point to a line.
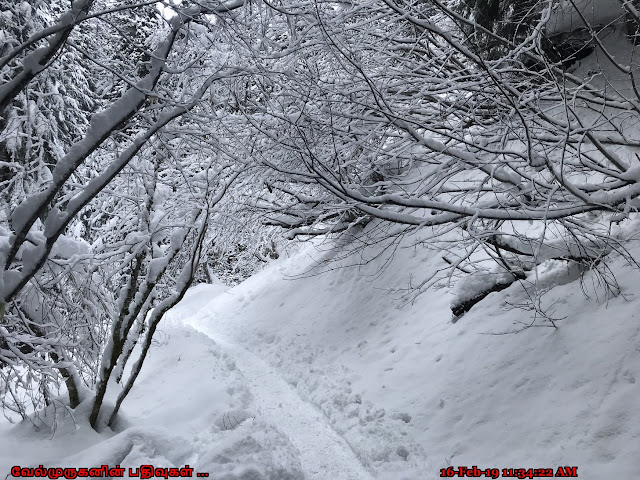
x: 330, y: 377
x: 412, y: 392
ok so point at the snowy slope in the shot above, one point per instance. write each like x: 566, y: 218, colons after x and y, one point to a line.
x: 412, y: 392
x: 329, y: 376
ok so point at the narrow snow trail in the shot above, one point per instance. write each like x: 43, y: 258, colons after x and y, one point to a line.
x: 324, y: 454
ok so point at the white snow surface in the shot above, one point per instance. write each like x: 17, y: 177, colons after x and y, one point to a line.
x: 296, y: 374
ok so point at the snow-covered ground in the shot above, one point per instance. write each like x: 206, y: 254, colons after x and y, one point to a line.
x: 412, y: 392
x: 329, y: 377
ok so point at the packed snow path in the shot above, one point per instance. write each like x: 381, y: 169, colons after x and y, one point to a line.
x: 324, y: 453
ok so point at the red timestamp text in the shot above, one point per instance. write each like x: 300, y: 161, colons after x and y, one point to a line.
x: 520, y: 473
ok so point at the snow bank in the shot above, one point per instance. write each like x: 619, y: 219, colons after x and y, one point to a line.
x: 412, y: 392
x: 190, y: 407
x: 293, y: 363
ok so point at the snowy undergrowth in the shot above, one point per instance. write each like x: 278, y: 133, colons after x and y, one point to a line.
x: 190, y: 406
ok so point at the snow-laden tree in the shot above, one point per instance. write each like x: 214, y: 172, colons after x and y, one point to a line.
x: 396, y: 114
x: 109, y: 184
x: 39, y: 123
